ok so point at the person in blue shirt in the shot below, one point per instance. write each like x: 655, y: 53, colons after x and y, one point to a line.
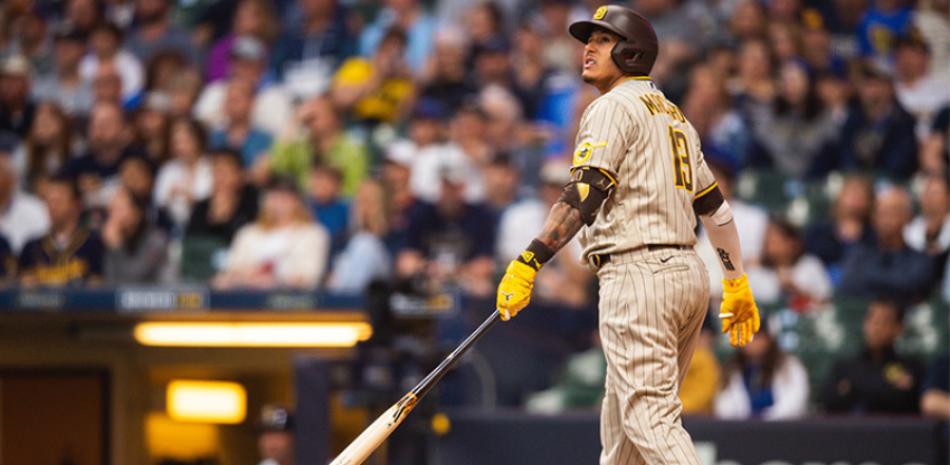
x: 881, y: 26
x: 240, y: 133
x: 328, y: 207
x: 315, y: 31
x: 410, y: 16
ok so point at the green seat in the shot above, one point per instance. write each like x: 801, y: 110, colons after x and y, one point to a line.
x: 198, y: 257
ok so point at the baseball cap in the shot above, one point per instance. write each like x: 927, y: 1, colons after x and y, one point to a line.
x: 275, y: 418
x: 248, y: 48
x: 15, y: 65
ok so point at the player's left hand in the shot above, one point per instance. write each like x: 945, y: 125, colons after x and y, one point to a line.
x: 738, y: 313
x: 514, y: 290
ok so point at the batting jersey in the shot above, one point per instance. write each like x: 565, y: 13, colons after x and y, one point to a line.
x: 642, y: 141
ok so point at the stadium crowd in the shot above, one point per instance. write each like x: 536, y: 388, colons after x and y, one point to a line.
x: 330, y: 144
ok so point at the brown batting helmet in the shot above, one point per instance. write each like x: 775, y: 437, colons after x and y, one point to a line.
x: 638, y: 46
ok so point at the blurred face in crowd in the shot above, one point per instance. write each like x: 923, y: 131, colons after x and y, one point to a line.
x: 136, y: 177
x: 104, y: 42
x: 781, y: 247
x: 277, y: 446
x: 875, y: 93
x: 748, y: 20
x: 240, y: 98
x: 281, y: 207
x: 186, y: 145
x: 451, y: 196
x: 599, y: 68
x: 653, y: 7
x: 82, y: 13
x: 784, y: 41
x: 62, y: 204
x: 754, y: 61
x: 501, y: 183
x: 492, y: 65
x: 784, y: 10
x: 322, y: 119
x: 369, y: 206
x: 228, y: 174
x: 67, y: 53
x: 756, y: 350
x: 528, y: 42
x: 882, y: 326
x: 107, y: 86
x: 794, y: 83
x: 249, y: 18
x: 48, y: 126
x: 911, y: 62
x: 467, y: 124
x: 855, y: 198
x: 122, y: 208
x: 833, y: 91
x: 32, y: 30
x: 934, y: 198
x: 816, y: 46
x: 316, y: 8
x: 389, y: 55
x: 892, y: 210
x: 106, y: 128
x: 151, y: 124
x: 425, y: 131
x: 325, y: 184
x: 151, y: 11
x: 14, y: 88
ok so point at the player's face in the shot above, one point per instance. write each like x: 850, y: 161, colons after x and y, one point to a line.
x: 598, y: 66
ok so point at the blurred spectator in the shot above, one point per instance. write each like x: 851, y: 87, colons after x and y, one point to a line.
x: 307, y: 53
x: 883, y: 24
x: 232, y: 203
x: 849, y: 225
x: 272, y: 109
x: 107, y: 87
x: 136, y: 250
x: 395, y: 174
x: 151, y: 124
x: 70, y: 254
x: 324, y: 141
x: 107, y: 145
x: 16, y: 108
x: 877, y: 380
x: 65, y: 86
x: 784, y: 40
x: 378, y: 89
x: 183, y: 90
x: 753, y: 84
x: 502, y: 184
x: 240, y: 133
x: 284, y: 248
x: 154, y: 32
x: 186, y: 178
x: 763, y: 382
x: 444, y: 79
x: 22, y: 216
x: 703, y: 377
x: 748, y: 21
x: 106, y: 47
x: 275, y: 440
x: 137, y: 175
x: 466, y: 151
x: 786, y: 272
x: 888, y: 267
x: 935, y: 151
x: 254, y: 18
x: 707, y: 106
x: 365, y: 258
x: 83, y: 15
x: 920, y: 90
x: 935, y: 401
x: 795, y: 130
x: 450, y: 242
x: 408, y: 16
x: 531, y: 75
x: 30, y: 40
x: 47, y: 148
x: 929, y: 232
x: 559, y: 52
x: 878, y: 135
x: 817, y: 48
x: 328, y: 208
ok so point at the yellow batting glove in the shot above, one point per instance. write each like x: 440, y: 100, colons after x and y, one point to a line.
x: 514, y: 290
x: 738, y: 313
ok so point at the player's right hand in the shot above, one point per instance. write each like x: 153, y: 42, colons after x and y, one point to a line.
x: 738, y: 313
x: 514, y: 290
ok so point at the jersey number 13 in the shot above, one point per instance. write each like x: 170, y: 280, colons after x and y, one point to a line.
x: 682, y: 167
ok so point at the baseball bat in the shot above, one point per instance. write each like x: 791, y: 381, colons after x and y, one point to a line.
x: 377, y: 432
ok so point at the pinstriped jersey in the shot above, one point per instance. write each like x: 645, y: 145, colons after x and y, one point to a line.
x: 644, y: 144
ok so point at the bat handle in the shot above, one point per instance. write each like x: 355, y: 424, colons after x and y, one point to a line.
x: 433, y: 377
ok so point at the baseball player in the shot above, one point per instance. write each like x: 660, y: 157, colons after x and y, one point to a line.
x: 638, y: 182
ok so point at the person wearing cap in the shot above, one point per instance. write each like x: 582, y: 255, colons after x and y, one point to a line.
x: 106, y: 47
x: 378, y: 89
x: 878, y: 135
x: 17, y: 109
x: 272, y: 110
x: 284, y: 248
x: 920, y: 90
x: 65, y: 86
x: 275, y: 436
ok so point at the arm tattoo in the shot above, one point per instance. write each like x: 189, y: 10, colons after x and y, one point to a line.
x: 726, y: 260
x: 562, y: 224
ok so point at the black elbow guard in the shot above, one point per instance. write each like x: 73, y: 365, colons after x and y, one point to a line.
x: 587, y: 192
x: 708, y: 200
